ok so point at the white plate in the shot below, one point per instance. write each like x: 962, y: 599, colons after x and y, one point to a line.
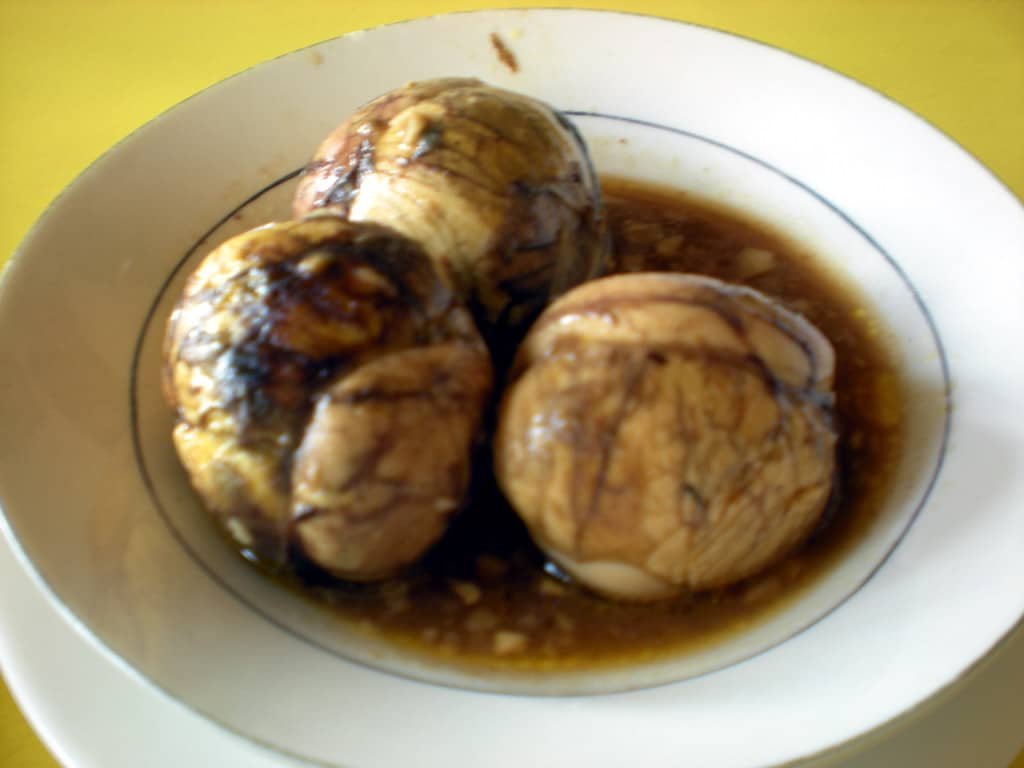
x: 93, y: 714
x: 87, y: 710
x: 909, y: 215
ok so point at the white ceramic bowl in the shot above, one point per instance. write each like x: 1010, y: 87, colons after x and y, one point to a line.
x: 95, y: 502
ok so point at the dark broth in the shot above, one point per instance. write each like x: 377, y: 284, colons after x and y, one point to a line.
x: 482, y: 596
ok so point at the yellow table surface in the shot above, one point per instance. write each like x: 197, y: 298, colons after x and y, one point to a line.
x: 77, y: 75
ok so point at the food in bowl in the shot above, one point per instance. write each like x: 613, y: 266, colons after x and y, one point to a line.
x: 328, y: 392
x: 667, y: 432
x: 496, y: 186
x: 474, y: 587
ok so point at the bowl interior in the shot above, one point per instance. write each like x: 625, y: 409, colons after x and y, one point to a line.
x: 622, y: 147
